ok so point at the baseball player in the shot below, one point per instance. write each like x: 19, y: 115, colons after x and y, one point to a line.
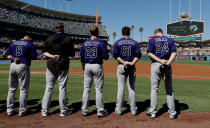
x: 20, y: 53
x: 162, y: 51
x: 92, y: 53
x: 57, y: 49
x: 127, y: 52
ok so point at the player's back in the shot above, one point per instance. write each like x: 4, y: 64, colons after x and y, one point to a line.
x: 23, y: 50
x: 161, y: 46
x: 94, y: 51
x: 59, y: 44
x: 126, y: 48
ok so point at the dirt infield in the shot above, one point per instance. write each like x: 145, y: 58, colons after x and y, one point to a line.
x: 76, y: 120
x: 180, y: 71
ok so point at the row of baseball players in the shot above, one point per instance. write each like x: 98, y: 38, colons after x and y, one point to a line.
x: 58, y: 48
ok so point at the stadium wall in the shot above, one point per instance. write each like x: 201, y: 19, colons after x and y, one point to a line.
x: 193, y: 58
x: 185, y: 58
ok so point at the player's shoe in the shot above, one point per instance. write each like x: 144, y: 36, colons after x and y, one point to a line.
x: 173, y: 115
x: 118, y: 113
x: 85, y: 113
x: 44, y: 114
x: 151, y: 114
x: 65, y: 113
x: 22, y: 113
x: 102, y: 114
x: 10, y: 113
x: 133, y: 113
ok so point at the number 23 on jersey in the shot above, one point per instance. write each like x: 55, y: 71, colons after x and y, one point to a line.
x: 91, y: 52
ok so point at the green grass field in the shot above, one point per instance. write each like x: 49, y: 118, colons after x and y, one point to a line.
x: 191, y: 95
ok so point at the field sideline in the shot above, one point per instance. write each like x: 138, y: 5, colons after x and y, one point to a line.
x: 190, y: 95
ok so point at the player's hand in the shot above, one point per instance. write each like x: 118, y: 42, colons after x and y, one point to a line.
x: 164, y: 61
x: 168, y: 63
x: 131, y: 64
x: 56, y: 57
x: 16, y: 60
x: 126, y: 63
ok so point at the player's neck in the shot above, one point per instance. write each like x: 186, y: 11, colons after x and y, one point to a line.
x: 126, y: 37
x: 159, y: 35
x: 93, y: 37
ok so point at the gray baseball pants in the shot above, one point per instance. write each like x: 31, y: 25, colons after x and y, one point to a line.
x: 155, y: 81
x: 93, y: 73
x: 19, y: 75
x: 122, y: 77
x: 51, y: 78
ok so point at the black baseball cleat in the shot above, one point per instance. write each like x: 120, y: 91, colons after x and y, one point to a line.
x: 102, y: 114
x: 21, y: 114
x: 66, y: 113
x: 10, y: 113
x: 173, y: 115
x: 85, y: 114
x: 153, y: 115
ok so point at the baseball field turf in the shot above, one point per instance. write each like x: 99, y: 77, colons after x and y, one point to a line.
x: 190, y: 95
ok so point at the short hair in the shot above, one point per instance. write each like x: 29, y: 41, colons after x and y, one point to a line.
x: 94, y: 31
x: 59, y: 27
x: 126, y: 31
x: 27, y: 37
x: 158, y: 30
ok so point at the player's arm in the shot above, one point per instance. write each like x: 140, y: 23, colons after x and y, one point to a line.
x: 9, y: 54
x: 105, y: 52
x: 172, y: 57
x: 150, y: 50
x: 10, y: 57
x: 70, y: 47
x: 122, y: 61
x: 135, y: 60
x: 156, y: 58
x: 173, y: 53
x: 82, y: 57
x: 82, y: 62
x: 46, y: 49
x: 55, y: 57
x: 137, y: 55
x: 33, y: 52
x: 115, y: 53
